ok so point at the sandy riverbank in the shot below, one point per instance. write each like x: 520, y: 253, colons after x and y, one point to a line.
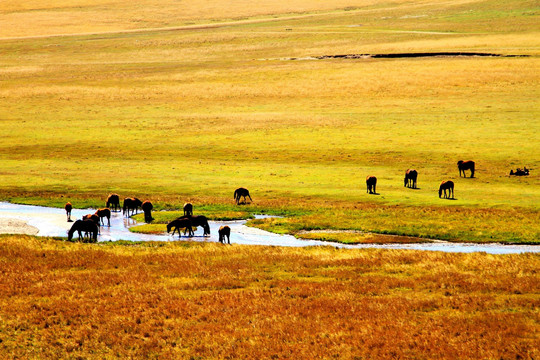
x: 16, y: 226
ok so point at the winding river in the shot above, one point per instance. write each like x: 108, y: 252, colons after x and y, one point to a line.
x: 45, y: 221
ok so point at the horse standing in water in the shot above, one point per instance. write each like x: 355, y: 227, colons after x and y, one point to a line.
x: 224, y: 231
x: 371, y: 182
x: 113, y: 202
x: 86, y: 226
x: 410, y: 178
x: 94, y: 218
x: 188, y: 209
x: 465, y: 165
x: 179, y: 224
x: 241, y: 192
x: 131, y: 204
x: 447, y: 185
x: 198, y: 220
x: 102, y: 213
x: 147, y: 208
x: 68, y: 208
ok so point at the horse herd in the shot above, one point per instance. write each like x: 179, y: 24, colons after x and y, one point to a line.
x: 90, y: 223
x: 411, y: 175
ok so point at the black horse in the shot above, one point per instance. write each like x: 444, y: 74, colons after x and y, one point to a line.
x: 241, y: 192
x: 410, y: 178
x: 113, y: 202
x: 371, y: 182
x: 188, y: 209
x: 86, y: 226
x: 131, y: 204
x: 198, y: 220
x: 465, y: 165
x: 147, y: 208
x: 179, y: 224
x: 447, y: 185
x: 224, y: 231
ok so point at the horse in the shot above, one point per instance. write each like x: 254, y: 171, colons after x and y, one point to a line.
x: 94, y: 218
x: 113, y: 201
x: 224, y: 231
x: 465, y: 165
x: 178, y: 224
x: 446, y: 185
x: 131, y: 204
x: 147, y: 208
x: 410, y: 178
x: 188, y: 209
x: 68, y: 208
x: 241, y: 192
x: 198, y: 220
x: 88, y: 226
x: 371, y: 182
x: 101, y: 213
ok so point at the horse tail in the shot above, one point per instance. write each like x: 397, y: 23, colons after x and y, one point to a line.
x: 235, y: 192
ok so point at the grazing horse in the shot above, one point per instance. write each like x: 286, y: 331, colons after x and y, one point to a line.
x: 68, y: 208
x: 102, y: 213
x: 113, y: 201
x: 224, y: 231
x: 410, y: 178
x: 179, y: 224
x: 131, y: 204
x: 188, y: 209
x: 147, y: 208
x: 241, y: 192
x: 465, y: 165
x: 94, y: 218
x: 198, y: 220
x: 371, y: 182
x: 87, y: 226
x: 447, y: 185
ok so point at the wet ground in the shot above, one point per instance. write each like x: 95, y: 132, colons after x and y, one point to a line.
x: 45, y: 221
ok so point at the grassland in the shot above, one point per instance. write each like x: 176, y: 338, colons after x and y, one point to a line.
x: 208, y: 301
x: 175, y: 102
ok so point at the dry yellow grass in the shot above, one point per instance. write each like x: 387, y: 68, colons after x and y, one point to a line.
x: 181, y: 300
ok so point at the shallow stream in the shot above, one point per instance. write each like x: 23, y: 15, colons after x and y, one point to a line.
x: 52, y: 222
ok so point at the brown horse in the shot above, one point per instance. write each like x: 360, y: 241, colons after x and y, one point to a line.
x: 179, y: 224
x: 94, y: 218
x: 188, y: 209
x: 198, y: 220
x: 68, y: 208
x: 102, y: 213
x: 147, y: 208
x: 410, y: 178
x: 224, y: 231
x: 241, y: 192
x: 447, y: 185
x: 371, y: 182
x: 131, y: 204
x: 465, y: 165
x: 113, y: 201
x: 86, y: 226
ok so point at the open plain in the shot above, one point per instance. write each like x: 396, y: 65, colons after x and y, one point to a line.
x: 187, y: 101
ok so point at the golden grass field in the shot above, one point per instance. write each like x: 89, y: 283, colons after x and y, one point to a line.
x: 207, y: 301
x: 175, y: 101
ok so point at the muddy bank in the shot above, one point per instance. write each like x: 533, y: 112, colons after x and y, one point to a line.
x: 407, y: 55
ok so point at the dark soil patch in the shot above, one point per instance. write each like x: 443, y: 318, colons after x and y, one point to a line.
x: 411, y: 55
